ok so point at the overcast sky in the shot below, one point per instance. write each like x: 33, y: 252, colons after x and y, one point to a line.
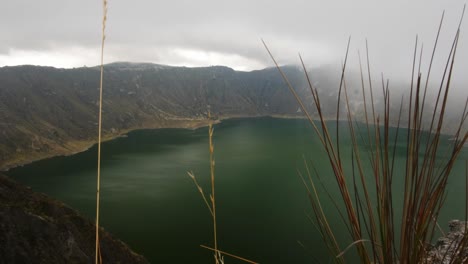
x: 66, y: 33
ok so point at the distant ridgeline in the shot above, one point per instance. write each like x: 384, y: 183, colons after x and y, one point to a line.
x: 46, y: 111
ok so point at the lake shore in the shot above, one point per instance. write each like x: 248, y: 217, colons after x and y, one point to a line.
x: 77, y: 146
x: 74, y: 147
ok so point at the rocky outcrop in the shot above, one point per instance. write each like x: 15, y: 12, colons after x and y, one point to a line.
x: 451, y: 248
x: 35, y: 228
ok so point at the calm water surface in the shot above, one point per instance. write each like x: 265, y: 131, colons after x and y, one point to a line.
x: 149, y: 201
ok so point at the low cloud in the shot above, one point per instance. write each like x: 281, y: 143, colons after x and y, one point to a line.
x: 203, y: 33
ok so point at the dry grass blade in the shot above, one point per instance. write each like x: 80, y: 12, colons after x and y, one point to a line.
x: 98, y: 188
x: 430, y: 65
x: 218, y: 255
x: 230, y: 255
x: 352, y: 244
x: 212, y: 195
x: 324, y: 227
x: 200, y: 190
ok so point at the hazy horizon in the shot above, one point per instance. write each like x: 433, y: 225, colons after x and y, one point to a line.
x: 193, y: 34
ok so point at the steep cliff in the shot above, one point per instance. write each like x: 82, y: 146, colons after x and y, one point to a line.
x: 35, y: 228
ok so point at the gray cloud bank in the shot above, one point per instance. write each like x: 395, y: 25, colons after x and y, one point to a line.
x: 198, y: 33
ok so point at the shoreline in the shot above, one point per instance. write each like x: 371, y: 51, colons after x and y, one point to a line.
x: 77, y: 146
x: 73, y: 147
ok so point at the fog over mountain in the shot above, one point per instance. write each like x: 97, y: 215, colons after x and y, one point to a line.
x: 50, y: 105
x: 205, y: 33
x: 48, y: 111
x: 187, y: 64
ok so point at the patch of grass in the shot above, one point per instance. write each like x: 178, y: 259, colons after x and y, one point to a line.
x: 365, y: 201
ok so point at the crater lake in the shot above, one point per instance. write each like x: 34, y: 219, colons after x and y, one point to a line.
x: 149, y: 201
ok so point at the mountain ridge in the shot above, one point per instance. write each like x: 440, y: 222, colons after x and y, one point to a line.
x: 47, y: 111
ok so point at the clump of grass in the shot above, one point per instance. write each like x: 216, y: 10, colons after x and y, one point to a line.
x: 370, y: 219
x: 211, y: 204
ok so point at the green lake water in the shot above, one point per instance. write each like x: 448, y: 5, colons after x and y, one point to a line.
x: 149, y: 202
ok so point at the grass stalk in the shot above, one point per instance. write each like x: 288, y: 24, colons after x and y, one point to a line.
x: 98, y: 258
x: 217, y: 254
x: 229, y: 254
x: 211, y: 204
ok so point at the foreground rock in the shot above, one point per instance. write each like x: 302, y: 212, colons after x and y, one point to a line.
x: 37, y: 229
x: 452, y: 245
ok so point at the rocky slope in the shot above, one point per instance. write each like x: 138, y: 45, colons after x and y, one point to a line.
x: 35, y: 228
x: 46, y: 111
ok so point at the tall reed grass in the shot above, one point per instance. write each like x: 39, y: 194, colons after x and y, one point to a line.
x: 366, y: 198
x: 98, y: 258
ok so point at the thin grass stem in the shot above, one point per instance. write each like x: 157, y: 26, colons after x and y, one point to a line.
x: 98, y: 184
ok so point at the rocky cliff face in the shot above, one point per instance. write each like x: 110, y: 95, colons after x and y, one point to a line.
x: 46, y: 111
x: 35, y: 228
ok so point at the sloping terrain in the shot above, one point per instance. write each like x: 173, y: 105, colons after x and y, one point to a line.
x: 46, y: 111
x: 35, y: 228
